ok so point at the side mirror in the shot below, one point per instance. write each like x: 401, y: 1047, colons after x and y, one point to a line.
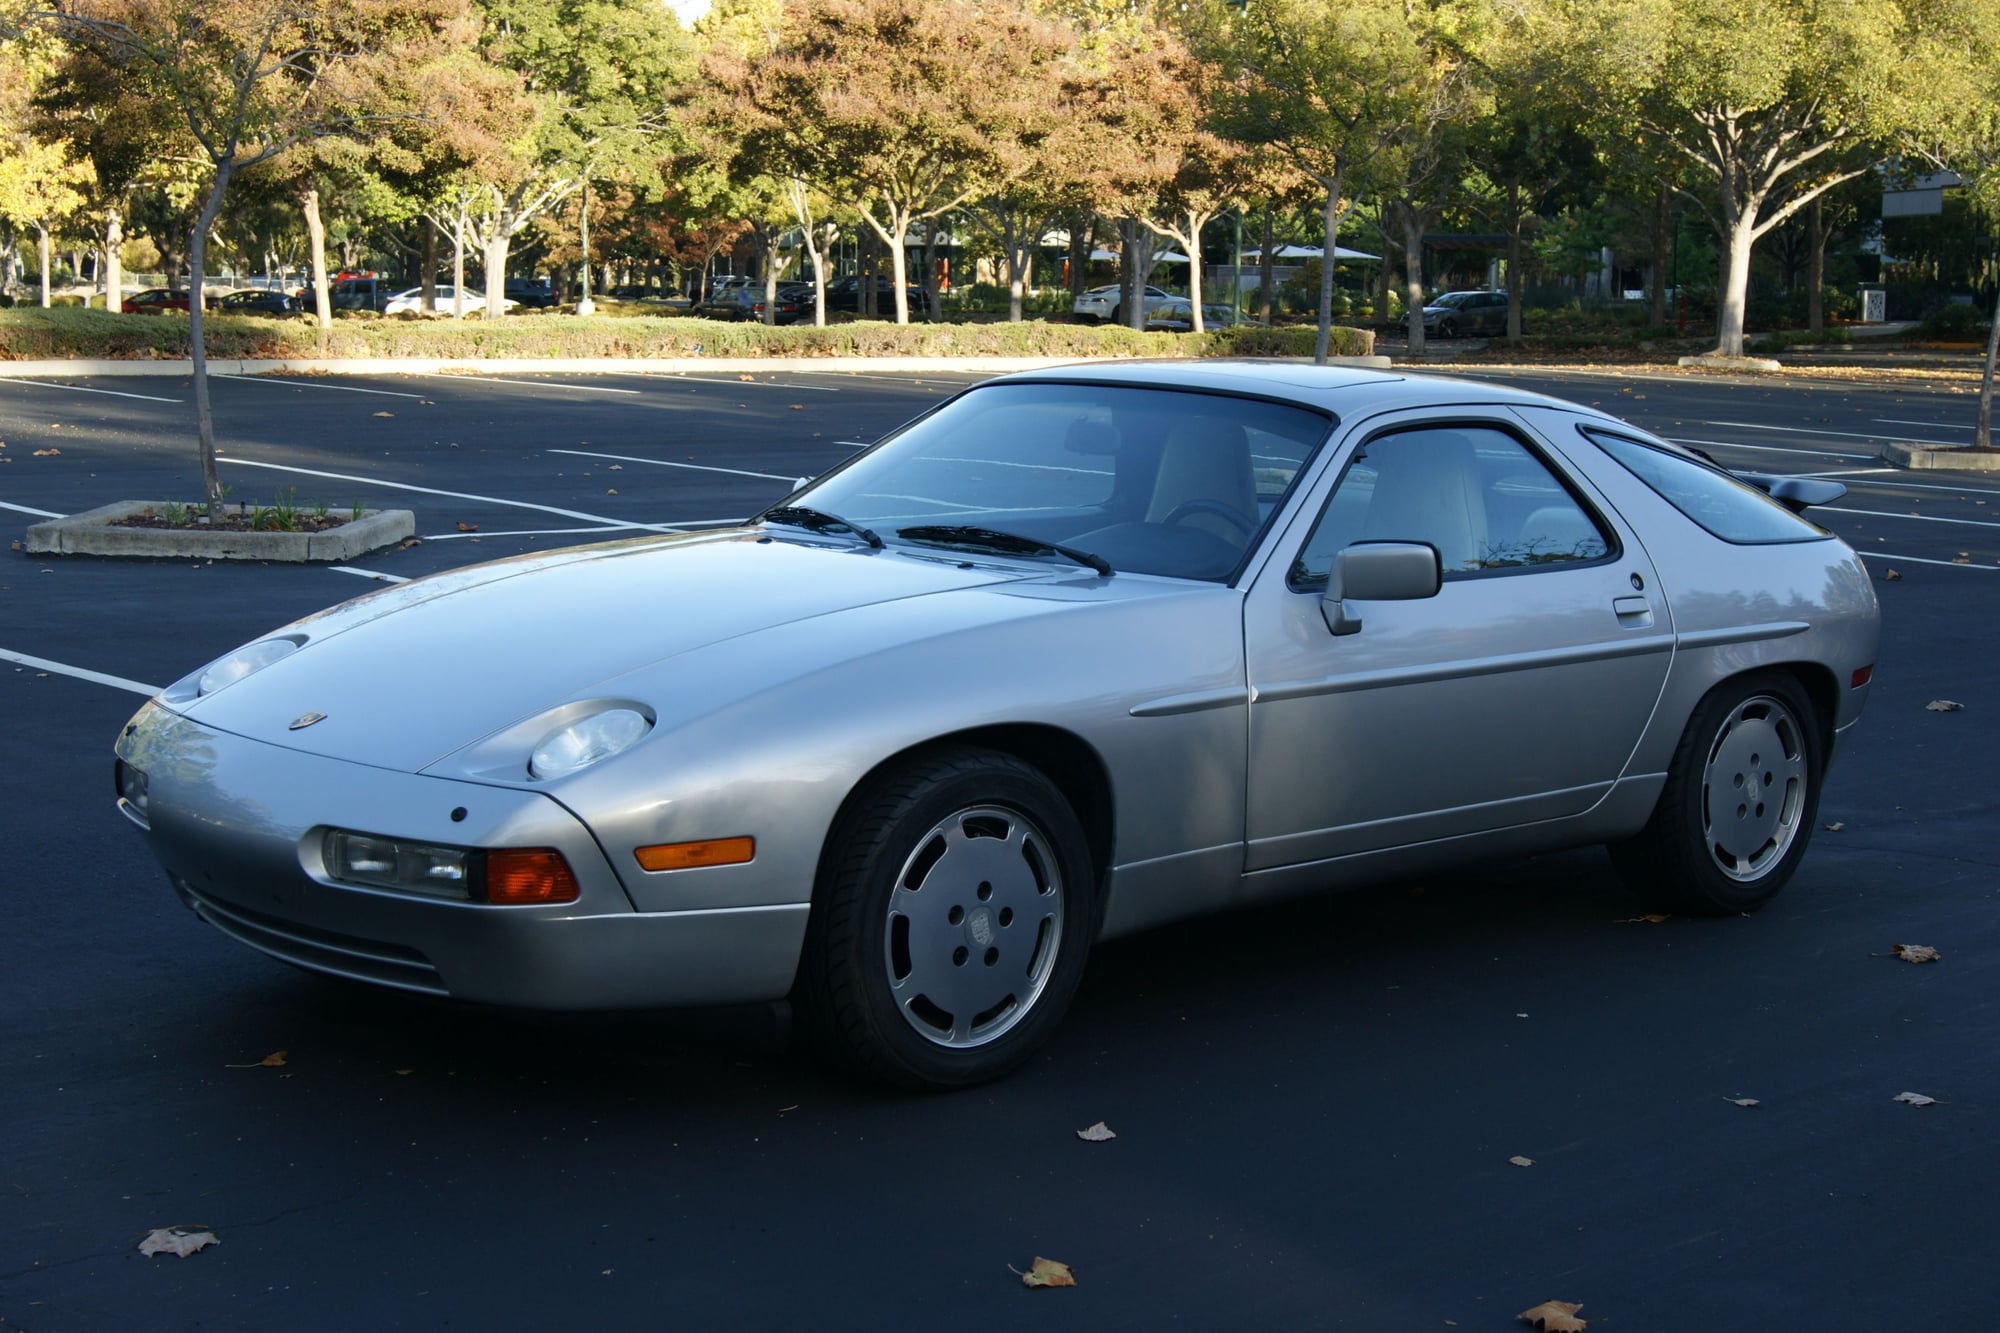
x: 1378, y: 572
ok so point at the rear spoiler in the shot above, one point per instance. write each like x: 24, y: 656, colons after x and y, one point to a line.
x: 1794, y: 493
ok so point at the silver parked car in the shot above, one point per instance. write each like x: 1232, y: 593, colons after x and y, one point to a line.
x: 1076, y: 653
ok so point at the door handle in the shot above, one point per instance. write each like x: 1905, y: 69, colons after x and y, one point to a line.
x: 1633, y: 612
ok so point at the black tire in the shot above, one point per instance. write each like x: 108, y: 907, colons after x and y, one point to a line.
x: 954, y: 910
x: 1448, y: 329
x: 1740, y: 800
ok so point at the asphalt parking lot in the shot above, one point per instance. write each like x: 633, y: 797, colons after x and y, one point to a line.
x: 1316, y: 1105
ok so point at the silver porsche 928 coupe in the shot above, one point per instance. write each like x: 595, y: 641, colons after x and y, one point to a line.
x: 1075, y: 653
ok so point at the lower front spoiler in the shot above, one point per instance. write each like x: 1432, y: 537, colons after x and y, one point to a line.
x: 632, y: 960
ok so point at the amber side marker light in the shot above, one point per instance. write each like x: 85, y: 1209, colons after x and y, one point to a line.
x: 524, y: 876
x: 1861, y: 677
x: 690, y: 855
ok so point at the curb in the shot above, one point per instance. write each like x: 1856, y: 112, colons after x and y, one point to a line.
x: 1947, y: 459
x: 1737, y: 363
x: 899, y: 365
x: 91, y: 533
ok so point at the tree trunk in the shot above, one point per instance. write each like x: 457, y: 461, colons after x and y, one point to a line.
x: 493, y: 247
x: 114, y: 262
x: 1659, y: 262
x: 429, y: 298
x: 1266, y: 262
x: 1816, y: 237
x: 1516, y: 218
x: 316, y: 259
x: 204, y: 419
x: 584, y: 306
x: 1735, y: 286
x: 43, y: 249
x: 1193, y: 243
x: 1330, y: 228
x: 458, y: 263
x: 1413, y: 275
x: 1982, y: 430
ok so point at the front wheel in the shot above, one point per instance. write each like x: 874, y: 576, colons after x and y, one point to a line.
x: 1737, y: 809
x: 953, y: 913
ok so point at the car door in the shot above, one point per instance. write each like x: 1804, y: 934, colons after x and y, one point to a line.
x: 1515, y: 694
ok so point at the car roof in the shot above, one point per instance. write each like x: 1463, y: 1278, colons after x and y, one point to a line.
x: 1345, y: 391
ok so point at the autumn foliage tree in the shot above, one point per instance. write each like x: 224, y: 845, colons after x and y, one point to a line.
x: 247, y: 80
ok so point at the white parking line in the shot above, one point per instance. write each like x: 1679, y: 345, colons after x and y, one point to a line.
x: 888, y: 379
x: 552, y: 384
x: 1920, y: 560
x: 377, y: 575
x: 677, y: 526
x: 24, y: 509
x: 737, y: 384
x: 1769, y: 449
x: 659, y: 462
x: 453, y: 495
x: 312, y: 384
x: 1803, y: 430
x: 1912, y: 518
x: 94, y: 677
x: 1935, y: 425
x: 78, y: 388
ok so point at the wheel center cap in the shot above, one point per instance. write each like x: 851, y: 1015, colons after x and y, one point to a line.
x: 980, y: 927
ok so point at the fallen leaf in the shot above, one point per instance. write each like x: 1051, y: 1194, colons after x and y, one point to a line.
x: 272, y: 1061
x: 1522, y: 1161
x: 615, y: 467
x: 1892, y: 576
x: 1911, y: 1098
x: 798, y: 407
x: 177, y: 1241
x: 1743, y: 1101
x: 1097, y: 1133
x: 1835, y: 827
x: 1045, y: 1273
x: 1943, y: 706
x: 611, y: 490
x: 1650, y: 919
x: 1915, y: 953
x: 1962, y: 558
x: 48, y: 453
x: 385, y: 414
x: 408, y: 542
x: 1555, y: 1317
x: 463, y: 526
x: 752, y: 379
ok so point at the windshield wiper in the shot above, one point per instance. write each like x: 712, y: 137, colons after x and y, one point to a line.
x: 818, y: 520
x: 992, y: 539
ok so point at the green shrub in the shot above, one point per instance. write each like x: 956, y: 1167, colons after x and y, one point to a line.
x: 1952, y: 322
x: 28, y: 334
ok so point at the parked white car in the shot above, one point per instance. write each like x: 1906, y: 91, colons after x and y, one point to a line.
x: 1102, y: 303
x: 411, y: 302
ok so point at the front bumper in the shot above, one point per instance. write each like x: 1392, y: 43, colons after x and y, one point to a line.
x: 238, y: 825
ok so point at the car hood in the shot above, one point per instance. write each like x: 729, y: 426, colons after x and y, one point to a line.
x: 413, y: 673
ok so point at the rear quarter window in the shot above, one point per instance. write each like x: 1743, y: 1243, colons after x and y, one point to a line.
x: 1717, y: 502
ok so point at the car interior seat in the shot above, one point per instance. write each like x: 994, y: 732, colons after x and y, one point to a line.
x: 1428, y: 489
x: 1205, y: 464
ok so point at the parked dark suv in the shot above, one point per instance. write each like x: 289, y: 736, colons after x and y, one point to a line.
x: 529, y: 293
x: 1457, y: 313
x: 845, y: 294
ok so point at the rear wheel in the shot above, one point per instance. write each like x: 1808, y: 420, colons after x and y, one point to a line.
x: 1737, y: 810
x: 950, y: 923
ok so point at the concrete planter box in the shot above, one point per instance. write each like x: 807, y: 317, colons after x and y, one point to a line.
x: 1945, y: 459
x: 91, y: 533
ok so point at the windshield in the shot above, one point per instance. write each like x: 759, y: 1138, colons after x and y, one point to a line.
x: 1148, y: 481
x: 1454, y: 299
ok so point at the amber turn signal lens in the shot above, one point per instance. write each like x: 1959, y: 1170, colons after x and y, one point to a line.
x: 689, y: 855
x: 528, y: 875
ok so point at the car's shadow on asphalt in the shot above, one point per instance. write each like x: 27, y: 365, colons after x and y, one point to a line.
x: 1156, y: 990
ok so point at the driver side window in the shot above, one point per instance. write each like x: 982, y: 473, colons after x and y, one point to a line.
x: 1474, y: 492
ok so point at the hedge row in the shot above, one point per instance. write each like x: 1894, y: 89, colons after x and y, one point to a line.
x: 36, y: 334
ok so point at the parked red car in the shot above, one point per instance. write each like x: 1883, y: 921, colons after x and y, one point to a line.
x: 155, y: 301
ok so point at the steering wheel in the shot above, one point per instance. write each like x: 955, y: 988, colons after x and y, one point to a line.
x: 1227, y: 512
